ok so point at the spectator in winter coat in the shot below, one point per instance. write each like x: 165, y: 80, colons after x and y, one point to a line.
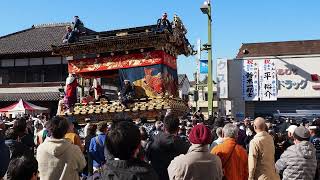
x: 16, y: 147
x: 233, y: 156
x: 219, y: 140
x: 20, y: 129
x: 57, y: 157
x: 198, y: 163
x: 71, y: 136
x: 4, y: 155
x: 23, y: 168
x: 91, y: 133
x: 97, y: 143
x: 123, y: 144
x: 299, y: 160
x: 261, y: 153
x: 165, y: 146
x: 315, y: 140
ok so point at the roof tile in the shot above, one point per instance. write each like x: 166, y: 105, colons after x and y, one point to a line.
x: 305, y: 47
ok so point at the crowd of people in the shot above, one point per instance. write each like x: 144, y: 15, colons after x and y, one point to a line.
x: 58, y: 148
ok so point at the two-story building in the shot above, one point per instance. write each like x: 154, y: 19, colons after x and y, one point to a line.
x: 28, y: 70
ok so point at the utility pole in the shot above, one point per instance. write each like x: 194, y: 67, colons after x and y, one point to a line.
x: 206, y: 9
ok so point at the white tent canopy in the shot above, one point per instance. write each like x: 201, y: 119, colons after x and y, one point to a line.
x: 23, y: 107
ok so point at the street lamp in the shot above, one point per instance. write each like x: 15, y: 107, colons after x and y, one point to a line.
x: 206, y: 9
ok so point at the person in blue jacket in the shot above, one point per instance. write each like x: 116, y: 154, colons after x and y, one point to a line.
x: 97, y: 143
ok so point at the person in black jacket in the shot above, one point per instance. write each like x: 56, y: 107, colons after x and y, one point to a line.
x: 165, y: 147
x: 20, y: 130
x: 88, y: 170
x: 70, y: 36
x: 16, y: 147
x: 164, y: 24
x: 126, y: 93
x: 124, y: 144
x: 4, y: 155
x: 78, y: 25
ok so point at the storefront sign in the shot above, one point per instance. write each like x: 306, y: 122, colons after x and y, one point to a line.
x: 222, y: 77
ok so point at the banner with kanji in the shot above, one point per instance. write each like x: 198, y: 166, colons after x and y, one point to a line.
x: 268, y: 80
x: 250, y: 80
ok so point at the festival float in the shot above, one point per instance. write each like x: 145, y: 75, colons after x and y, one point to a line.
x: 145, y: 56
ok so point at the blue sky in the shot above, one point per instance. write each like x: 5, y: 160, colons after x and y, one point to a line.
x: 234, y: 21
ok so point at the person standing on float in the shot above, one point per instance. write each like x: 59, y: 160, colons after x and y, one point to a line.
x: 71, y: 92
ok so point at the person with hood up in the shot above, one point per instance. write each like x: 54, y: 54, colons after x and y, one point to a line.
x: 165, y: 146
x: 299, y: 160
x: 57, y: 157
x: 198, y: 163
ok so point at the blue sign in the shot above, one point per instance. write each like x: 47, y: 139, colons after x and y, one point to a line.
x: 204, y: 66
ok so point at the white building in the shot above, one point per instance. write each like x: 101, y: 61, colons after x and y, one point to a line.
x: 297, y: 65
x: 184, y: 86
x: 202, y: 103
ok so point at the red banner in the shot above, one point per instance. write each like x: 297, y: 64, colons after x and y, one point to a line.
x: 121, y: 62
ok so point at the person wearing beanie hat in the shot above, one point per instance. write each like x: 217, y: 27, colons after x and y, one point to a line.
x: 233, y: 156
x: 299, y: 160
x: 198, y: 163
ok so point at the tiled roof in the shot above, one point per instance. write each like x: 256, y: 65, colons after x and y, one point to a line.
x: 37, y: 39
x: 285, y: 48
x: 47, y: 96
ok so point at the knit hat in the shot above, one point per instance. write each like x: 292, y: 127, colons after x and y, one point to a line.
x: 301, y: 133
x: 291, y: 128
x: 200, y: 134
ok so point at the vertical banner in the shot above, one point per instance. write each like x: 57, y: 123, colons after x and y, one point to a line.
x: 204, y: 66
x: 268, y: 80
x: 250, y: 80
x: 222, y: 77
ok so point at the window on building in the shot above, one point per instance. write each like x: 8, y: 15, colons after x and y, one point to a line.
x: 214, y: 96
x: 34, y: 74
x: 52, y: 74
x: 17, y: 76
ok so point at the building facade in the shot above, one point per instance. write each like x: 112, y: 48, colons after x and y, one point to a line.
x: 28, y: 70
x: 202, y: 102
x: 297, y: 78
x: 184, y: 87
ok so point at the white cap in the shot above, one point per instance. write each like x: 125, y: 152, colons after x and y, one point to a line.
x: 312, y: 127
x: 291, y: 128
